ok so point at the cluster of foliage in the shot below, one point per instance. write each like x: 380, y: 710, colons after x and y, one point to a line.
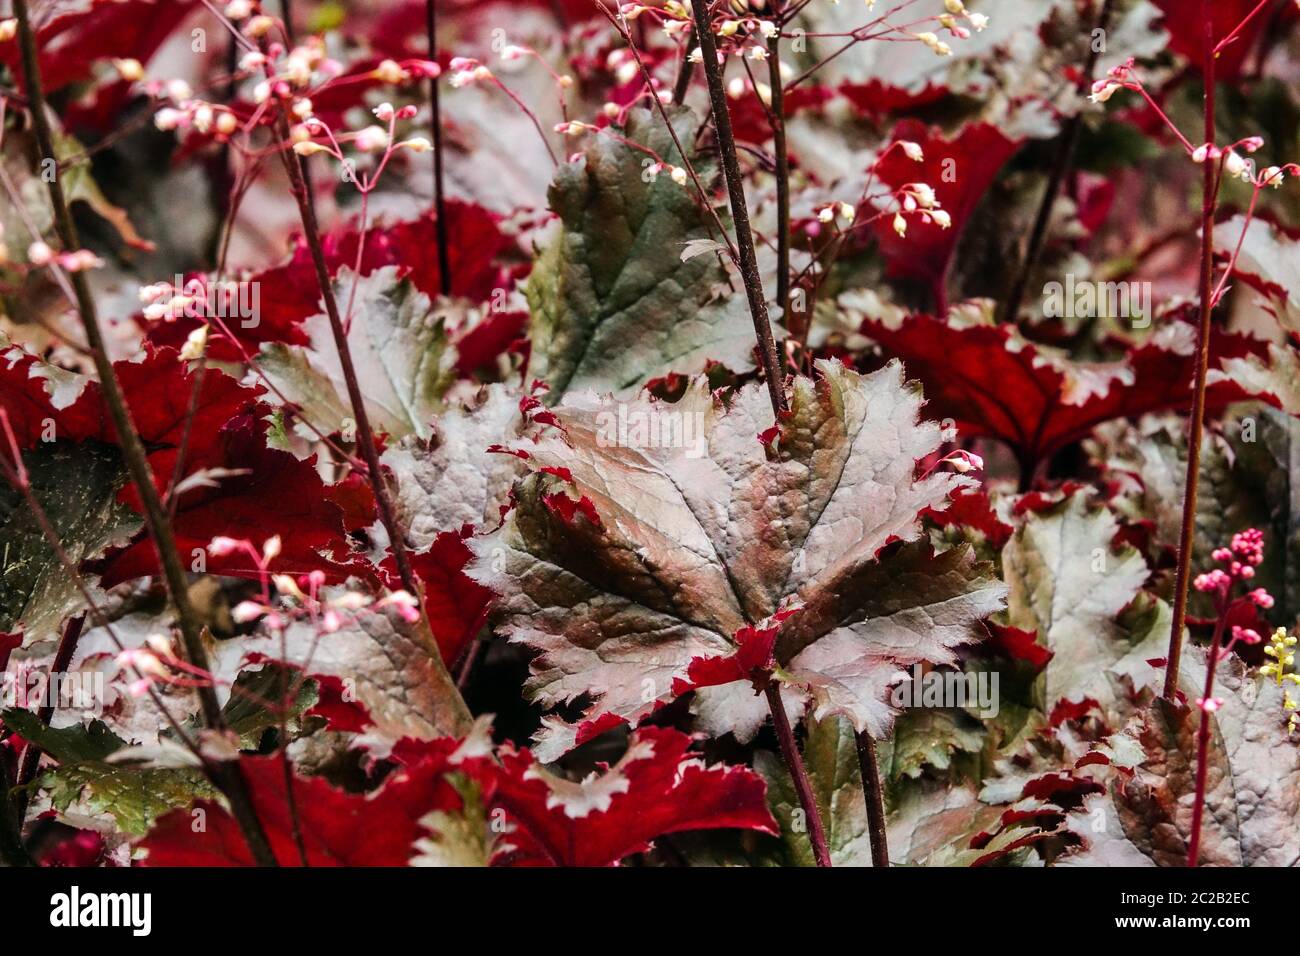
x: 515, y: 433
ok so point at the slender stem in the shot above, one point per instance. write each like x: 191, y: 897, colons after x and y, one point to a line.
x: 1209, y: 34
x: 227, y: 776
x: 1203, y: 740
x: 31, y: 758
x: 12, y: 851
x: 685, y: 72
x: 1061, y: 164
x: 1196, y: 423
x: 467, y: 665
x: 873, y: 792
x: 435, y: 122
x: 748, y: 264
x: 286, y: 14
x: 802, y: 786
x: 365, y: 434
x: 739, y: 210
x: 291, y: 35
x: 781, y: 150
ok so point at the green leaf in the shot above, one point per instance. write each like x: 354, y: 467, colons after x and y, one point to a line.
x: 1066, y: 583
x: 928, y: 737
x: 930, y: 823
x: 76, y: 744
x: 135, y: 797
x: 459, y: 838
x: 613, y: 304
x: 831, y: 759
x: 247, y: 712
x: 77, y: 487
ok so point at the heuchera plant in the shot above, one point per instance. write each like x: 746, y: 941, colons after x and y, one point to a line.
x: 724, y: 432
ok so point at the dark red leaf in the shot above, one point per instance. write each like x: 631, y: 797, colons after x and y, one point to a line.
x: 959, y: 169
x: 457, y: 606
x: 993, y: 383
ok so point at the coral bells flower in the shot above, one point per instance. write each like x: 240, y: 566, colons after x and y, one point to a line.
x: 1261, y: 598
x: 39, y: 254
x: 1249, y: 546
x: 1211, y: 581
x: 221, y: 546
x: 1245, y: 635
x: 1279, y: 649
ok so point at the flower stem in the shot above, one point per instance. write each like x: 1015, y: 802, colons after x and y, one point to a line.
x: 684, y: 73
x: 12, y: 851
x: 1196, y: 422
x: 802, y: 786
x: 782, y: 152
x: 31, y: 758
x: 365, y: 434
x: 227, y: 776
x: 739, y: 210
x: 1203, y: 741
x: 748, y: 263
x: 435, y: 123
x: 874, y: 794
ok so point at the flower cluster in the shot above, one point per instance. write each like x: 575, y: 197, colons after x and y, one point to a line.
x: 1240, y: 559
x: 1282, y: 656
x: 305, y: 596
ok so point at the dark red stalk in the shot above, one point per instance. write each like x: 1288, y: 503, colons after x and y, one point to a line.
x: 227, y: 776
x: 782, y: 178
x: 748, y: 263
x: 684, y: 73
x: 798, y: 773
x: 1203, y: 738
x: 12, y: 851
x: 1196, y: 422
x: 365, y: 434
x: 31, y: 758
x: 435, y: 123
x: 874, y: 792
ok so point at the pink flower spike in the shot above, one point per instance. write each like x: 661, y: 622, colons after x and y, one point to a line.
x: 1211, y: 705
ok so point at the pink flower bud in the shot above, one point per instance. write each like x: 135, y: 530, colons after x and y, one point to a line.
x: 1261, y: 598
x: 1245, y: 634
